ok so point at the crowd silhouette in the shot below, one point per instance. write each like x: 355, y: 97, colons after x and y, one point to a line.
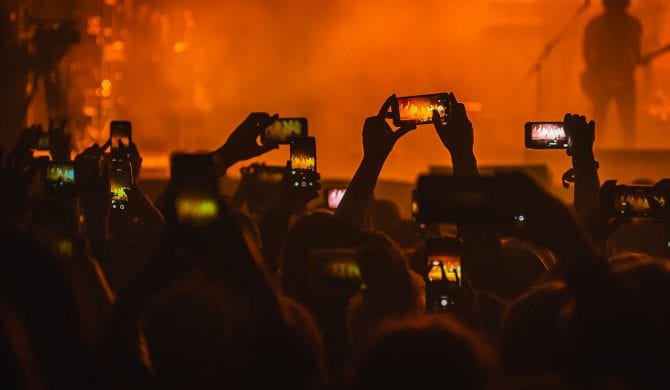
x: 196, y: 290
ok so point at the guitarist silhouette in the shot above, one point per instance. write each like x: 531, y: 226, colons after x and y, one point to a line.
x: 612, y: 52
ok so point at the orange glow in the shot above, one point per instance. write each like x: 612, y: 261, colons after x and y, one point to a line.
x: 179, y: 47
x: 118, y: 45
x: 106, y: 84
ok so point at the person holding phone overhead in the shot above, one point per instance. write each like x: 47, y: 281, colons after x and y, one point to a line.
x: 612, y: 51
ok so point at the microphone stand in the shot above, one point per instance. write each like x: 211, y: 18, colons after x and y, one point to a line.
x: 536, y: 68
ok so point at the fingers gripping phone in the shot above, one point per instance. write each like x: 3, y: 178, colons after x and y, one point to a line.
x: 443, y: 273
x: 418, y: 109
x: 545, y: 135
x: 283, y: 129
x: 120, y: 179
x: 303, y: 162
x: 119, y: 131
x: 195, y: 189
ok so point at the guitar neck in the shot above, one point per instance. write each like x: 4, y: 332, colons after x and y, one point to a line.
x: 651, y: 56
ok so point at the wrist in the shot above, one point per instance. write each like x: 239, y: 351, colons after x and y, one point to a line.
x: 222, y: 159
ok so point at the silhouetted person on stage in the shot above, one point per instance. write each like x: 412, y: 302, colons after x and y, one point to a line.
x: 611, y: 52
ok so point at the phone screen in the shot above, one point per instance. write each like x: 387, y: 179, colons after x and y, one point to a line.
x: 545, y: 135
x: 443, y: 257
x: 120, y: 179
x: 195, y: 189
x: 303, y: 162
x: 283, y: 129
x: 418, y: 109
x: 60, y: 175
x: 335, y: 270
x: 334, y: 197
x: 637, y: 201
x: 120, y: 131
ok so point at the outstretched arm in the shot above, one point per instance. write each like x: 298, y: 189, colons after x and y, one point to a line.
x: 241, y: 144
x: 378, y: 141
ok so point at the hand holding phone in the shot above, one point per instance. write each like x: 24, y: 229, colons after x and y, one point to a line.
x: 378, y: 137
x: 456, y: 134
x: 581, y: 135
x: 638, y: 201
x: 120, y: 137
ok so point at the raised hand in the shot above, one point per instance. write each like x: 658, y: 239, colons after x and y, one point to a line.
x: 241, y: 144
x: 93, y: 185
x: 580, y: 135
x: 59, y: 141
x: 378, y: 137
x: 456, y: 134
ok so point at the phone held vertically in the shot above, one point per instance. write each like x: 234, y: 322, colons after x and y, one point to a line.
x: 418, y: 109
x: 443, y: 273
x: 303, y: 162
x: 120, y: 179
x: 60, y: 177
x: 545, y: 135
x: 119, y: 132
x: 283, y: 129
x: 195, y: 189
x: 335, y: 271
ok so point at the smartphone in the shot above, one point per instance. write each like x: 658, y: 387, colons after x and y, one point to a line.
x: 461, y: 199
x: 545, y: 135
x: 418, y: 110
x: 60, y: 177
x: 637, y: 201
x: 303, y: 162
x: 283, y: 129
x: 335, y: 271
x: 119, y: 131
x: 334, y: 197
x: 120, y: 179
x: 195, y: 189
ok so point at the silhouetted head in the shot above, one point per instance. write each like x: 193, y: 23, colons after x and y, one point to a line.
x: 527, y: 339
x: 424, y: 353
x: 317, y: 230
x: 616, y: 5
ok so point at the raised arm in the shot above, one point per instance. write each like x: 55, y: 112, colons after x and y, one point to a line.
x: 378, y: 141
